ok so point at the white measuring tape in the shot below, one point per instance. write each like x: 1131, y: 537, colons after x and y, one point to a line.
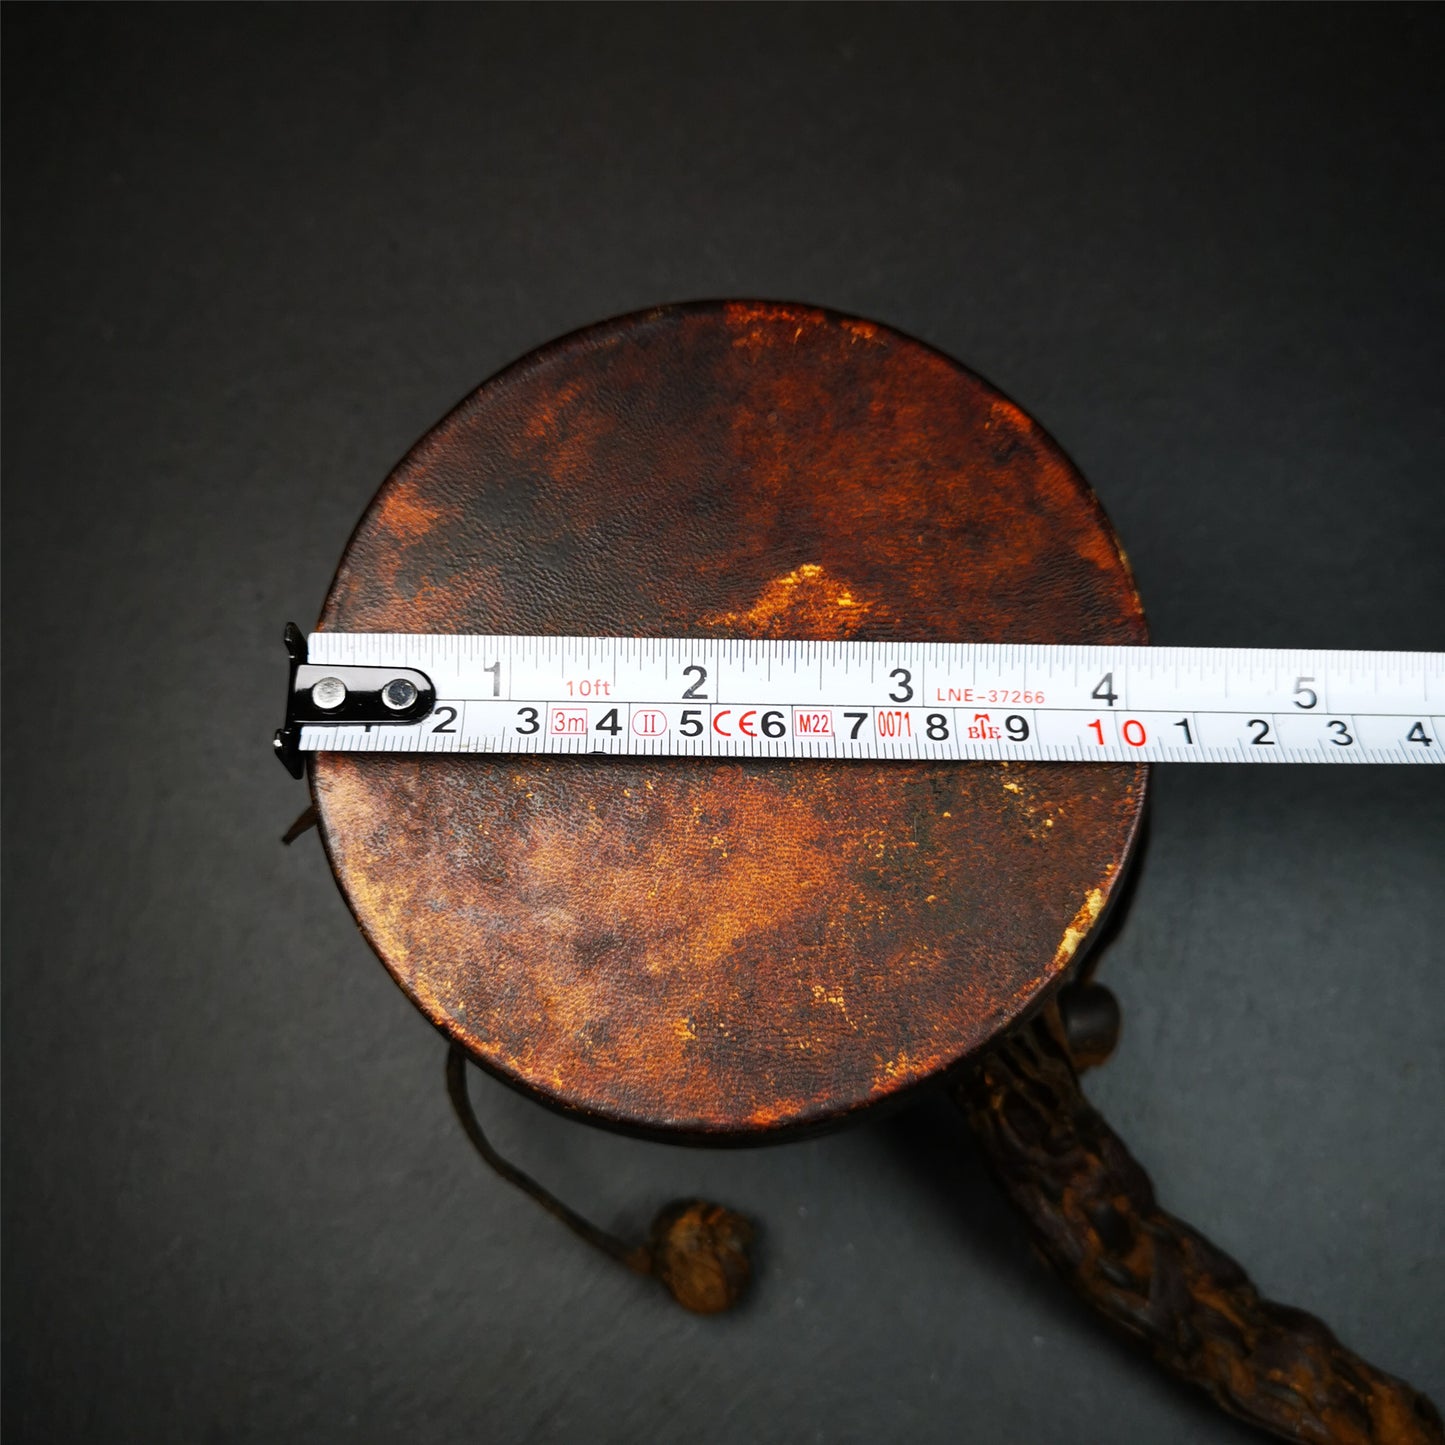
x: 736, y: 698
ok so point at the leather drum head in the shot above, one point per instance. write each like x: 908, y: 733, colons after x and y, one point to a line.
x: 720, y: 949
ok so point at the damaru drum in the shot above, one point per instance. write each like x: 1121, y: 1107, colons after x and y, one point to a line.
x: 726, y: 950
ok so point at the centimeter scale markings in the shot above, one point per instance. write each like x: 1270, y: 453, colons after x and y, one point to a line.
x: 744, y: 698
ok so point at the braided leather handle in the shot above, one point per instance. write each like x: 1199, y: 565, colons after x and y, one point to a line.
x: 1095, y: 1219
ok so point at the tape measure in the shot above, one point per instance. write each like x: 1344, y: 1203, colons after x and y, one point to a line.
x: 881, y: 701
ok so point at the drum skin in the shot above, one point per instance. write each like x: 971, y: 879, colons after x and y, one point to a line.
x: 720, y: 950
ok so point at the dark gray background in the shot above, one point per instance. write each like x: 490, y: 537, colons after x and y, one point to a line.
x: 251, y: 255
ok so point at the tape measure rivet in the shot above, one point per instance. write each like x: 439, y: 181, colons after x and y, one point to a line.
x: 329, y: 693
x: 398, y: 694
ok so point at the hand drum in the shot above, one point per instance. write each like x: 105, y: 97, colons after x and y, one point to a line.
x: 719, y: 948
x: 727, y: 950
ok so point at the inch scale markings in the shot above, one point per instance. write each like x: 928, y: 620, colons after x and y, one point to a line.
x: 741, y: 698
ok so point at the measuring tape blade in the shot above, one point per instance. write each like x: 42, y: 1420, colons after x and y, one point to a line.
x: 882, y: 701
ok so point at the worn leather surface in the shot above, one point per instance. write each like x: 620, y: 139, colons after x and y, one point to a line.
x: 722, y: 948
